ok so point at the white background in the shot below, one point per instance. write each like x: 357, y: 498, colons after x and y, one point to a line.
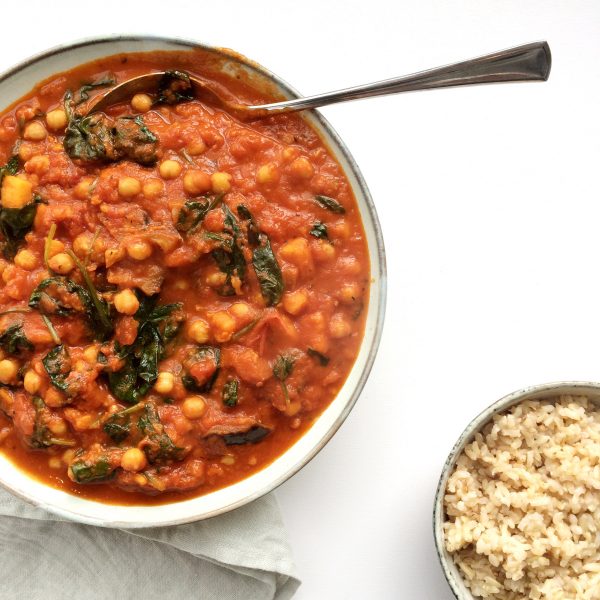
x: 489, y: 200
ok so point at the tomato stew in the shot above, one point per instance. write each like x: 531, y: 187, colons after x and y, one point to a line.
x: 181, y: 294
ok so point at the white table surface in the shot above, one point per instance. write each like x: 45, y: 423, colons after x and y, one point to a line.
x: 489, y: 200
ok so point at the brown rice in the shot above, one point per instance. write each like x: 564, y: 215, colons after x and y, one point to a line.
x: 523, y: 504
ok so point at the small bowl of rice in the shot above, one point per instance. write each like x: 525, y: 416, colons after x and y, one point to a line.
x: 517, y: 509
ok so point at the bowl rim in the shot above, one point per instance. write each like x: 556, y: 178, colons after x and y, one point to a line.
x: 377, y: 258
x: 533, y: 392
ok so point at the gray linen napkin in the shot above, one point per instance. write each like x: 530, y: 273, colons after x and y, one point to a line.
x: 242, y: 555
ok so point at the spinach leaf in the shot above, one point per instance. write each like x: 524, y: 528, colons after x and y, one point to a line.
x: 252, y: 436
x: 264, y: 262
x: 97, y: 137
x: 251, y: 226
x: 58, y: 366
x: 268, y: 271
x: 202, y: 353
x: 174, y: 87
x: 14, y: 341
x: 230, y: 392
x: 82, y: 94
x: 321, y: 358
x: 319, y: 230
x: 86, y: 138
x: 282, y: 369
x: 98, y: 309
x: 193, y: 212
x: 230, y: 256
x: 330, y: 204
x: 87, y: 471
x: 42, y: 436
x: 59, y: 296
x: 117, y: 427
x: 134, y: 380
x: 157, y: 444
x: 15, y: 223
x: 10, y: 168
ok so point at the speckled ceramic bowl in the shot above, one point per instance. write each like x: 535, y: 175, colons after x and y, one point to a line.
x: 18, y: 81
x: 536, y: 392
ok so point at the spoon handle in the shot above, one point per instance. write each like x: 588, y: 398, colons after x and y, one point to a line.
x: 530, y: 62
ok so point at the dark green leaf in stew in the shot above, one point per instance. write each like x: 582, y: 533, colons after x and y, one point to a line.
x: 230, y: 392
x: 175, y: 87
x: 330, y: 204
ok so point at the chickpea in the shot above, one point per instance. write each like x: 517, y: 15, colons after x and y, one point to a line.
x: 196, y: 147
x: 290, y: 153
x: 133, y: 460
x: 58, y: 427
x: 323, y: 251
x: 196, y: 182
x: 56, y: 119
x: 240, y: 310
x: 139, y: 250
x: 55, y: 247
x: 8, y: 273
x: 141, y: 103
x: 295, y: 302
x: 193, y: 407
x: 198, y: 331
x: 16, y: 192
x: 223, y: 326
x: 54, y: 398
x: 296, y: 251
x: 300, y: 168
x: 26, y: 259
x: 25, y: 151
x: 38, y: 164
x: 8, y: 370
x: 268, y: 173
x: 114, y: 255
x: 91, y: 354
x: 61, y: 263
x: 84, y: 188
x: 126, y: 302
x: 182, y: 284
x: 341, y: 229
x: 316, y: 320
x: 82, y: 244
x: 32, y: 382
x: 169, y: 169
x: 84, y: 422
x: 153, y: 188
x: 129, y: 187
x: 68, y: 456
x: 34, y: 131
x: 216, y: 280
x: 350, y: 265
x: 221, y: 182
x: 164, y: 383
x: 349, y: 292
x: 339, y: 326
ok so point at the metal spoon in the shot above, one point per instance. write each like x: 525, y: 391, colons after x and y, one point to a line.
x: 530, y: 62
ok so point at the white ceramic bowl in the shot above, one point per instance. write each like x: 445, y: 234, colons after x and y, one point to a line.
x: 18, y: 81
x: 536, y: 392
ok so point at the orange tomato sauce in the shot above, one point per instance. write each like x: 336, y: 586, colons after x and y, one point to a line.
x: 248, y: 233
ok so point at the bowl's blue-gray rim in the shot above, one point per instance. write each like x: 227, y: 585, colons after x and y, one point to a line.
x: 540, y: 391
x: 381, y: 276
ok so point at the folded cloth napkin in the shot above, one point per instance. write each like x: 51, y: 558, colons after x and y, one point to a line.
x: 242, y: 555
